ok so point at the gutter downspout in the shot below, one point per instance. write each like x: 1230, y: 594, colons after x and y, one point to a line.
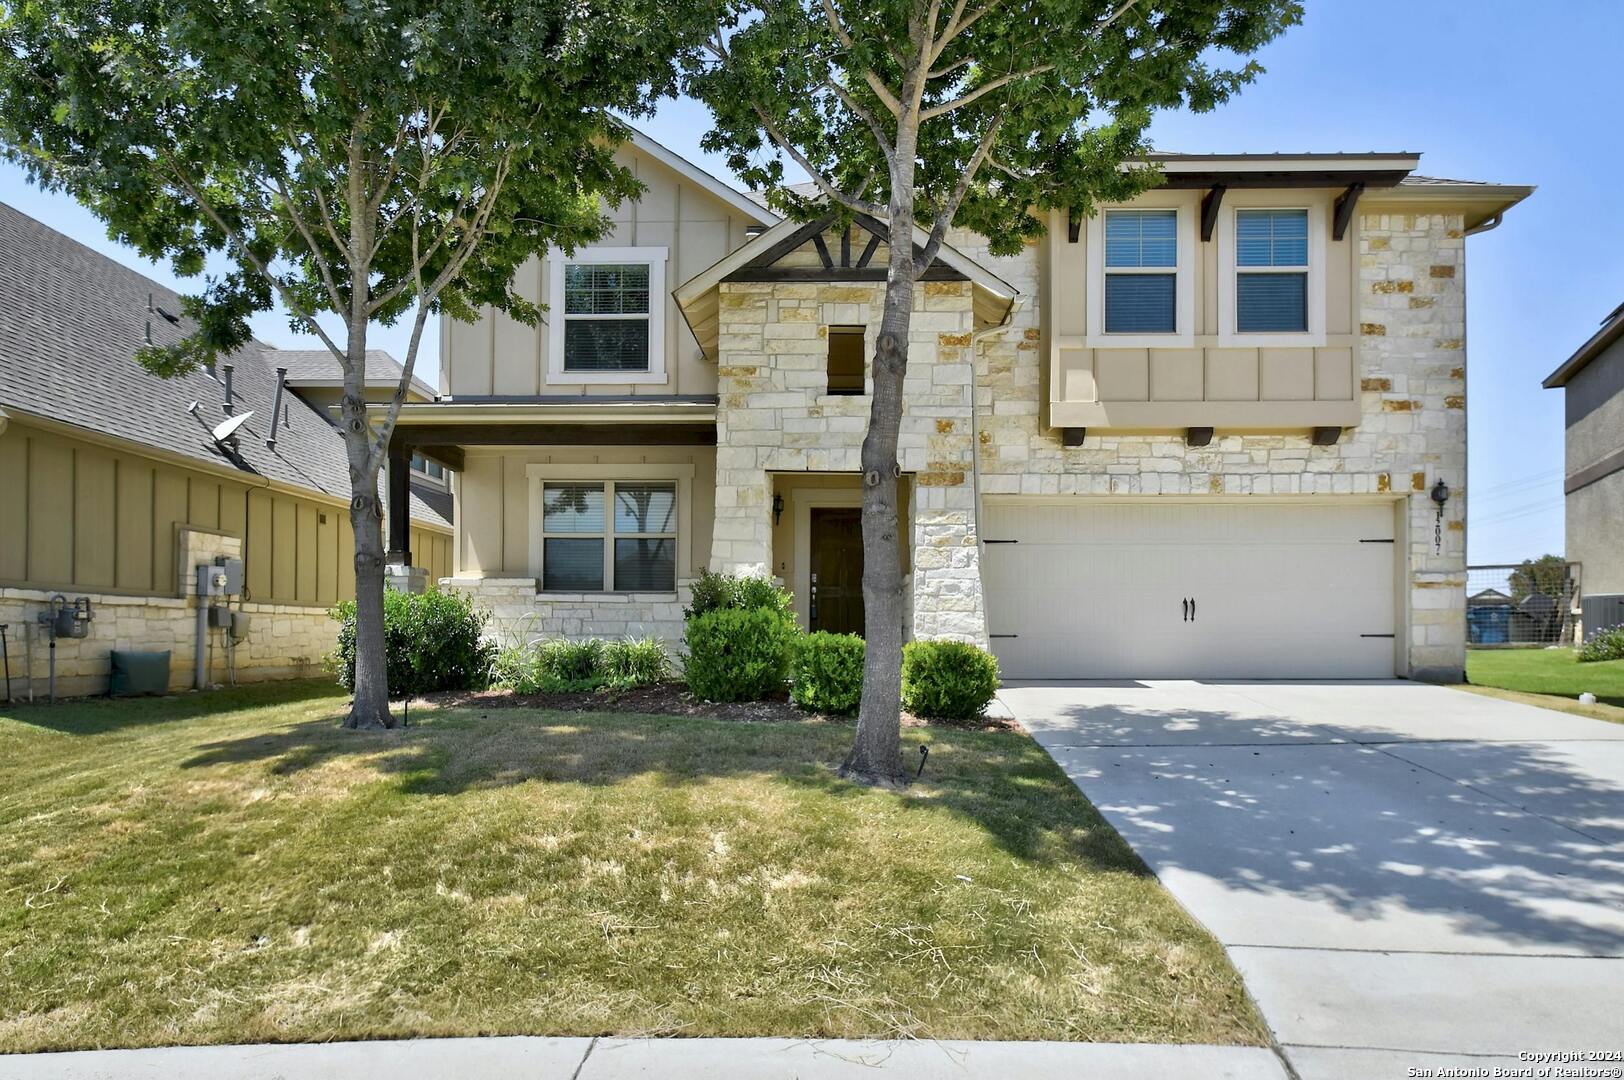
x: 976, y: 337
x: 1487, y: 226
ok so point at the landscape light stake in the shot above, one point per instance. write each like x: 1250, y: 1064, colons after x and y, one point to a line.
x: 924, y: 753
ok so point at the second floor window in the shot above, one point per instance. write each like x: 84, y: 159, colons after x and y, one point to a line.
x: 1141, y: 271
x: 1271, y: 271
x: 606, y: 317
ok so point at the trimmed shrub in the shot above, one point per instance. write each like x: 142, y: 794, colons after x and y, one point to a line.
x: 556, y: 666
x: 737, y: 654
x: 431, y: 642
x: 947, y: 680
x: 723, y: 592
x: 829, y: 673
x: 634, y: 662
x: 1607, y: 644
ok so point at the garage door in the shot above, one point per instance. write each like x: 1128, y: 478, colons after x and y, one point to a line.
x: 1189, y: 589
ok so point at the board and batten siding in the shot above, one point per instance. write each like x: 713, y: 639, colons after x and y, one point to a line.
x: 1212, y: 378
x: 77, y: 516
x: 499, y: 355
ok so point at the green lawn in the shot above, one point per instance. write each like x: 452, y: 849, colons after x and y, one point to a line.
x: 233, y: 867
x: 1550, y: 673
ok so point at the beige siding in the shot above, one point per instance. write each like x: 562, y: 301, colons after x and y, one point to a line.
x: 78, y: 516
x: 1210, y: 381
x: 497, y: 355
x: 493, y: 511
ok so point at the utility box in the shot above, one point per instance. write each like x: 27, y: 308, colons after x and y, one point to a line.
x: 240, y: 623
x: 71, y: 620
x: 211, y: 581
x: 232, y: 569
x: 220, y: 617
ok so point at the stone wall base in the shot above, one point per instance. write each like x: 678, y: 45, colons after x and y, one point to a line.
x: 284, y: 643
x: 519, y: 613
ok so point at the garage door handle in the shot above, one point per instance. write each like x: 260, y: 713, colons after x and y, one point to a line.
x: 1192, y: 609
x: 1186, y: 609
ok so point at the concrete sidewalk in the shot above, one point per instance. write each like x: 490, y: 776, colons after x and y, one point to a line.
x: 524, y: 1058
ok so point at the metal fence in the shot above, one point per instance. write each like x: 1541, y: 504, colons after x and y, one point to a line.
x: 1522, y: 604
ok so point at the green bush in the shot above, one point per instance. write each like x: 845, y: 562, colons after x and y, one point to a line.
x: 634, y: 662
x: 431, y: 642
x: 947, y: 680
x: 1607, y: 644
x: 724, y: 592
x: 738, y: 654
x: 557, y: 666
x: 829, y: 673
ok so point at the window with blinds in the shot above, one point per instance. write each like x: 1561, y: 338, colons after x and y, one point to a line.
x: 1141, y: 271
x: 619, y: 536
x: 606, y: 317
x: 1271, y: 271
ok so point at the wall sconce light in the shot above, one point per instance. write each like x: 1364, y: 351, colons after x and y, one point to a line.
x: 1440, y: 493
x: 778, y: 508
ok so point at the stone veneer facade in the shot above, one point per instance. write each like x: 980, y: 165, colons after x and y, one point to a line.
x: 284, y: 641
x: 775, y: 416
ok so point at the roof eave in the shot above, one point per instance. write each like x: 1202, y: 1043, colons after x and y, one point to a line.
x: 1611, y: 331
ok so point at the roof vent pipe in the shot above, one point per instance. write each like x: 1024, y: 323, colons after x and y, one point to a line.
x: 276, y: 406
x: 227, y: 405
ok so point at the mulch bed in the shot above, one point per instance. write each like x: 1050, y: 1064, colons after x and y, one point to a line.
x: 673, y: 699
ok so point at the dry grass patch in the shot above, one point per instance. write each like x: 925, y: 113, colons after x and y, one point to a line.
x: 237, y: 868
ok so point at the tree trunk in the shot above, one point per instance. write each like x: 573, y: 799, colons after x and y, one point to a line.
x: 876, y: 755
x: 370, y: 708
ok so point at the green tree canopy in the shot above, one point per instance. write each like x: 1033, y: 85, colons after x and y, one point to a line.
x: 367, y: 160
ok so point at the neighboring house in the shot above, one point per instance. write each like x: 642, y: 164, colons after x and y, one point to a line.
x: 1193, y: 436
x: 113, y: 488
x: 1592, y: 380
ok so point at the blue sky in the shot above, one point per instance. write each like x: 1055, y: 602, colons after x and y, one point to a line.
x: 1487, y: 90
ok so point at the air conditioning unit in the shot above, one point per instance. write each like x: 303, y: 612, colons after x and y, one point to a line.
x: 1601, y: 611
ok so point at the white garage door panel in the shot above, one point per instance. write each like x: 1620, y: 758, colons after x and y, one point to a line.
x: 1280, y: 590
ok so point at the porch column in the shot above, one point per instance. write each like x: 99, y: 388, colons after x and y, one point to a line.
x: 399, y: 573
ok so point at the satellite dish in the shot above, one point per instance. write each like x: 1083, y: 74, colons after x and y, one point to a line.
x: 227, y: 428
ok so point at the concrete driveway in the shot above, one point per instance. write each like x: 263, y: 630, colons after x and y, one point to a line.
x: 1407, y: 876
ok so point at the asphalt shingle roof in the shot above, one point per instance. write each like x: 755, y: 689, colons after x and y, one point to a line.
x: 71, y: 321
x: 320, y: 365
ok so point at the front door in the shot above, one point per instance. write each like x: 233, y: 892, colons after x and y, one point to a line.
x: 836, y: 603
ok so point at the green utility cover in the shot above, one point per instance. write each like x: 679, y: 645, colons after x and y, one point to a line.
x: 140, y: 673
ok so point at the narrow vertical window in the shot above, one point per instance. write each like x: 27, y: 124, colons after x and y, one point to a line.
x: 1141, y: 271
x: 845, y: 359
x: 1271, y: 271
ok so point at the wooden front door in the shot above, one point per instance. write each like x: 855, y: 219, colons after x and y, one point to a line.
x: 837, y: 570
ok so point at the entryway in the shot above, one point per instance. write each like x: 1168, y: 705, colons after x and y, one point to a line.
x: 836, y: 597
x: 1152, y: 588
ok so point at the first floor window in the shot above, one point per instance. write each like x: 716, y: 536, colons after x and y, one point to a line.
x: 1141, y: 271
x: 616, y: 536
x: 1271, y: 271
x: 606, y: 317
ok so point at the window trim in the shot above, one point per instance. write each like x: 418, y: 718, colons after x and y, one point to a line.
x: 1183, y: 335
x: 681, y: 473
x: 655, y: 258
x: 423, y: 476
x: 1229, y: 272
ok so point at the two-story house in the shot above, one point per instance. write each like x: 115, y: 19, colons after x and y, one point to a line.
x: 1196, y: 435
x: 1592, y: 384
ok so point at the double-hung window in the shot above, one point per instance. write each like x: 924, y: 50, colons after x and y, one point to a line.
x: 607, y: 316
x: 609, y: 536
x: 1141, y: 272
x: 1271, y: 271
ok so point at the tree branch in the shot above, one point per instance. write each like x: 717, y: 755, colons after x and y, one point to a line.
x: 248, y: 255
x: 859, y: 205
x: 875, y: 83
x: 985, y: 88
x: 944, y: 217
x: 863, y: 114
x: 333, y: 295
